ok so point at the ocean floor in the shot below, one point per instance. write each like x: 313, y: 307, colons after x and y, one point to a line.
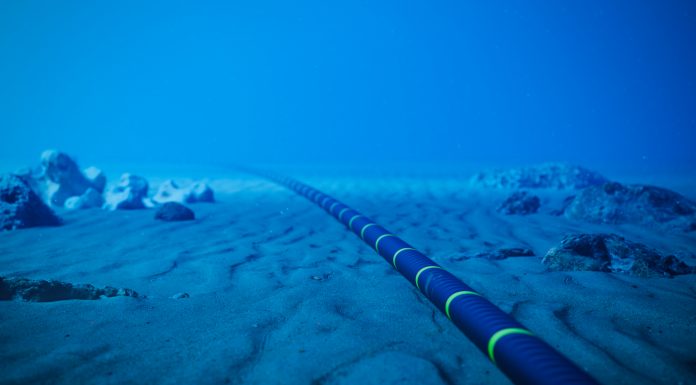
x: 281, y: 293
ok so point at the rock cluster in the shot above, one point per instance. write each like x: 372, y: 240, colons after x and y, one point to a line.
x: 169, y: 191
x: 547, y: 176
x: 48, y: 291
x: 58, y: 182
x: 520, y: 203
x: 611, y: 253
x: 62, y: 178
x: 20, y: 207
x: 614, y: 203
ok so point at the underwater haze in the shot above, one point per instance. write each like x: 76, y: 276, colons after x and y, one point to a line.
x: 606, y: 84
x: 339, y: 193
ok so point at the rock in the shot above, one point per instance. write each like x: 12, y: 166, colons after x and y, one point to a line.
x: 48, y: 291
x: 173, y: 211
x: 96, y: 177
x: 169, y: 191
x: 63, y: 177
x: 129, y: 194
x: 611, y: 253
x: 200, y: 192
x: 20, y: 207
x: 394, y: 368
x: 181, y: 296
x: 90, y: 199
x: 548, y: 175
x: 520, y: 203
x: 615, y: 203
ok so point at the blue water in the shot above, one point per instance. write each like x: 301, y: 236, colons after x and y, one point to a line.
x: 390, y: 106
x: 605, y: 84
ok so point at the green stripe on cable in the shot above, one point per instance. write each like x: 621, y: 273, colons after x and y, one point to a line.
x: 362, y: 232
x: 422, y: 270
x: 500, y: 334
x: 379, y: 239
x: 397, y: 254
x: 455, y: 295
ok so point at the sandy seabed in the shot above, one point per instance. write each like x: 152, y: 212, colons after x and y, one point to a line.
x: 281, y: 293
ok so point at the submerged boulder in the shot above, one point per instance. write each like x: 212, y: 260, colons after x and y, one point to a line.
x: 615, y: 203
x: 169, y: 191
x: 58, y: 178
x: 49, y: 291
x: 611, y: 253
x: 129, y: 194
x: 520, y: 203
x: 200, y: 192
x: 63, y: 177
x: 20, y: 206
x: 90, y: 199
x: 173, y: 211
x: 96, y: 177
x: 547, y: 175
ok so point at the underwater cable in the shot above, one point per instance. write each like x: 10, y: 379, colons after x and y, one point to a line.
x: 516, y: 351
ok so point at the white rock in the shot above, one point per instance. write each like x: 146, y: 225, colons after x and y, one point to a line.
x: 129, y: 194
x: 96, y: 177
x: 169, y: 191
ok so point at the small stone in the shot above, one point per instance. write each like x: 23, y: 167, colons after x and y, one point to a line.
x: 172, y: 211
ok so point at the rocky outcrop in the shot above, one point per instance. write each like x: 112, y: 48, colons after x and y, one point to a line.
x: 169, y: 191
x: 129, y: 194
x: 20, y: 207
x: 49, y: 291
x: 173, y: 211
x: 614, y: 203
x: 64, y: 179
x: 611, y: 253
x: 548, y: 176
x: 520, y: 203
